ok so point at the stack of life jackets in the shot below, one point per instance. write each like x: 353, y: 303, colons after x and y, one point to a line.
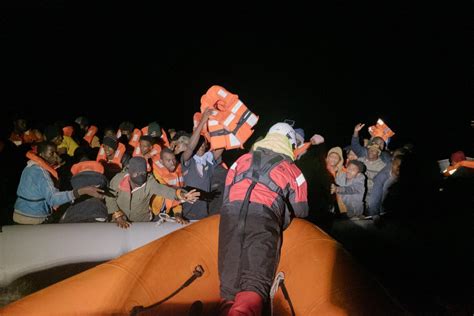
x: 231, y: 123
x: 380, y: 129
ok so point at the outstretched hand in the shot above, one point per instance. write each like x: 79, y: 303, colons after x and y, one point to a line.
x: 358, y: 127
x: 316, y: 139
x: 92, y: 191
x: 191, y: 196
x: 180, y: 219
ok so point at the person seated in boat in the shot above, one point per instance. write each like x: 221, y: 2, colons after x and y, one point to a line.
x: 373, y: 165
x: 362, y: 151
x: 148, y: 149
x: 198, y: 165
x: 87, y: 209
x: 264, y: 191
x: 113, y: 155
x: 37, y: 194
x: 350, y: 189
x: 168, y: 172
x: 374, y: 204
x: 135, y: 189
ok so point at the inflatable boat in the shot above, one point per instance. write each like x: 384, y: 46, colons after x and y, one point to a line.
x: 320, y: 278
x: 27, y: 249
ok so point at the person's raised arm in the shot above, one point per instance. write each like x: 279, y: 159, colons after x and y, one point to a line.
x: 188, y: 153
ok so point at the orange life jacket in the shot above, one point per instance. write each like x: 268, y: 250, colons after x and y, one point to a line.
x: 174, y: 178
x: 42, y: 163
x: 164, y: 137
x: 164, y: 176
x: 381, y: 129
x: 90, y: 134
x: 300, y: 151
x: 68, y: 131
x: 32, y: 136
x: 89, y: 165
x: 135, y: 138
x: 16, y: 138
x: 154, y: 155
x: 231, y: 124
x: 452, y: 169
x: 101, y: 156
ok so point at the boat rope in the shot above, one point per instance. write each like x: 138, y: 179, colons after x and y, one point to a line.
x: 137, y: 310
x: 278, y: 282
x: 164, y: 218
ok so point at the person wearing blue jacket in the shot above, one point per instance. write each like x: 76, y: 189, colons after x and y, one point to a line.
x: 37, y: 194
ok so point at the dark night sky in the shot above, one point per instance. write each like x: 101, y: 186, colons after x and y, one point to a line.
x: 327, y: 67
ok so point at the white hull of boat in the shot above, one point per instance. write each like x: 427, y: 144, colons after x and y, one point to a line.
x: 29, y: 248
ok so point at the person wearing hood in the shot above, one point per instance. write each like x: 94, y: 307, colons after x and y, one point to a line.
x: 264, y: 190
x: 334, y: 161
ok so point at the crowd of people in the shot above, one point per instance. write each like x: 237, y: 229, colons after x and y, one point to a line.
x: 78, y: 172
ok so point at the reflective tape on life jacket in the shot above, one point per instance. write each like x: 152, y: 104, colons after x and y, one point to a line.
x: 164, y: 138
x: 68, y: 131
x: 135, y: 138
x: 301, y: 150
x: 231, y: 123
x: 174, y: 178
x: 154, y: 154
x: 117, y: 159
x: 89, y: 165
x: 42, y: 163
x: 380, y: 129
x: 90, y: 134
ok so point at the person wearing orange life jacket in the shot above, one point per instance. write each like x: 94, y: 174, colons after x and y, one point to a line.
x: 167, y: 171
x: 21, y: 134
x: 113, y: 156
x: 37, y: 194
x: 198, y: 166
x: 148, y: 150
x: 125, y: 131
x: 88, y: 132
x: 159, y: 135
x: 87, y: 209
x: 135, y: 189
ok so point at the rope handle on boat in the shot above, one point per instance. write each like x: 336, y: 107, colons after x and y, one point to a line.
x: 164, y: 218
x: 137, y: 310
x: 278, y: 282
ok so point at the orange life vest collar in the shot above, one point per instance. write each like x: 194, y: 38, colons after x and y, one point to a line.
x: 42, y: 163
x: 90, y: 134
x: 89, y: 165
x: 174, y: 178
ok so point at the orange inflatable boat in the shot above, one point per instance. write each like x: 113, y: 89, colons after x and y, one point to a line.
x: 320, y: 277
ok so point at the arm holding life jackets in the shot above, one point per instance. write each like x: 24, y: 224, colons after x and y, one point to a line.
x: 188, y: 153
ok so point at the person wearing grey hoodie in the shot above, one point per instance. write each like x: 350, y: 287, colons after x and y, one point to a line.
x: 350, y: 187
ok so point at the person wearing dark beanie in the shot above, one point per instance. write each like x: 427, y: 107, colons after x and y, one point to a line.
x: 135, y: 189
